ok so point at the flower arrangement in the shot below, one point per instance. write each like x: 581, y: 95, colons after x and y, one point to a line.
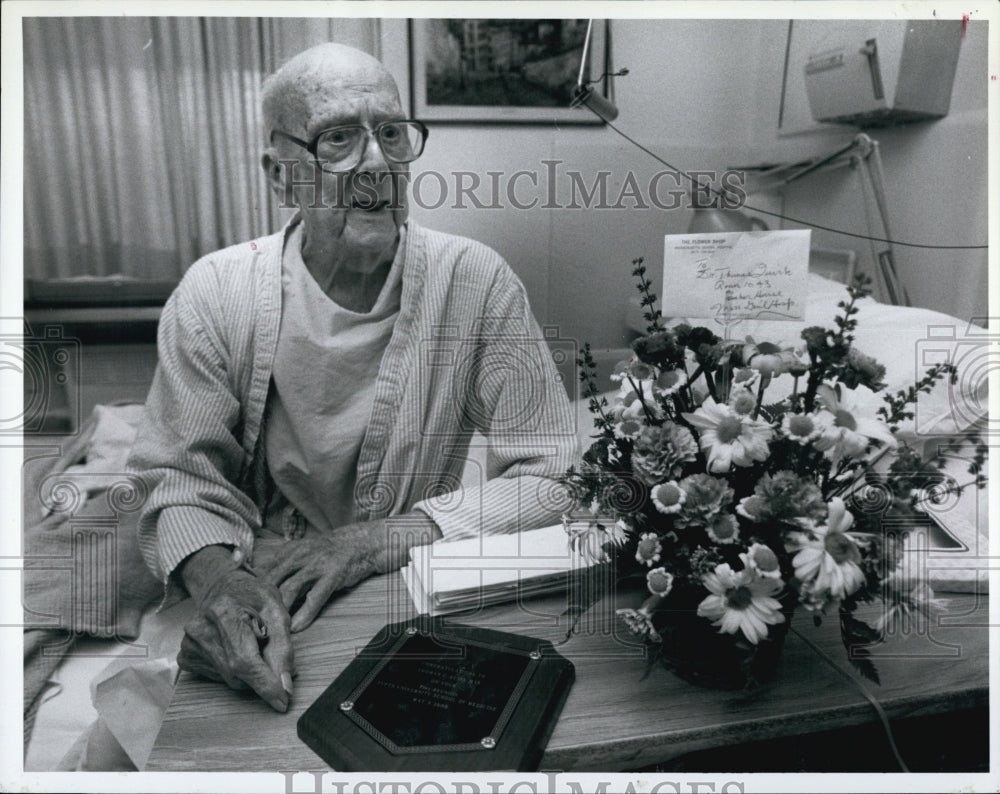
x: 731, y: 509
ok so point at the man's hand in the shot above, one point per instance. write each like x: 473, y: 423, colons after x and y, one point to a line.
x: 318, y: 565
x: 240, y: 633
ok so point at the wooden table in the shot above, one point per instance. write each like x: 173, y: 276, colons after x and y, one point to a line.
x: 614, y: 718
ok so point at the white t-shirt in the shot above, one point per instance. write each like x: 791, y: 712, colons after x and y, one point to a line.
x: 324, y: 374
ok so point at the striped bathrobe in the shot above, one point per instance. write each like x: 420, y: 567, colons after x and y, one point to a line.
x: 465, y: 354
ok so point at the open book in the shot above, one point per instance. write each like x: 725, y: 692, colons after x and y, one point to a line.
x: 452, y: 576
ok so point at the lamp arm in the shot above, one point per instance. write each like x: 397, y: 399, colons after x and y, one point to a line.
x: 873, y: 166
x: 819, y: 162
x: 586, y: 50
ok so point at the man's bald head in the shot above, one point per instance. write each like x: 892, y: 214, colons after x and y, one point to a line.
x: 292, y: 94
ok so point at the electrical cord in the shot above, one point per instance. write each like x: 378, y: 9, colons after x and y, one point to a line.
x: 788, y: 218
x: 882, y: 716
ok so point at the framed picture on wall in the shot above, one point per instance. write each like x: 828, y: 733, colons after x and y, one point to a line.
x: 503, y: 70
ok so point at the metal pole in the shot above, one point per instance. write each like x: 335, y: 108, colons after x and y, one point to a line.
x: 873, y: 164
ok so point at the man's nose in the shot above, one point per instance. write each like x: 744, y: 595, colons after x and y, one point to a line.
x: 373, y: 158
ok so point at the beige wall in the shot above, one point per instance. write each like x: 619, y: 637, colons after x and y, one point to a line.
x: 936, y: 181
x: 703, y: 95
x: 680, y: 98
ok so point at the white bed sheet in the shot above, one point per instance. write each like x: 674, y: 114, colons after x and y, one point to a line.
x: 67, y: 719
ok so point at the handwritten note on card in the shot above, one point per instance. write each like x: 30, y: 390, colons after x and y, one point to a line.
x: 733, y: 276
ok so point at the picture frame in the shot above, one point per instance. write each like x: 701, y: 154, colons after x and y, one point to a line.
x: 520, y: 71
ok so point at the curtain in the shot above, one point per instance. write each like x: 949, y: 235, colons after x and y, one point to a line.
x: 143, y: 137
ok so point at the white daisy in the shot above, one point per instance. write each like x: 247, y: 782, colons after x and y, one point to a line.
x: 761, y: 560
x: 668, y: 497
x: 659, y: 582
x: 742, y: 401
x: 729, y: 437
x: 648, y: 549
x: 628, y: 428
x: 668, y: 382
x: 805, y: 428
x: 850, y: 424
x: 827, y: 558
x: 723, y: 528
x: 741, y: 601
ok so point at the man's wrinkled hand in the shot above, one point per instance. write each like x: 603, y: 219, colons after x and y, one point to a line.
x: 240, y: 635
x: 311, y: 569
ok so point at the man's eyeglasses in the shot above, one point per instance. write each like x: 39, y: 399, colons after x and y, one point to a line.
x: 341, y: 148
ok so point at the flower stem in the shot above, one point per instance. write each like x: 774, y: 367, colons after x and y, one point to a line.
x: 815, y: 377
x: 709, y: 382
x: 687, y: 385
x: 642, y: 400
x: 765, y: 381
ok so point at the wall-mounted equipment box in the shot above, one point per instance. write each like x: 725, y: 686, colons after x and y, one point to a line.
x: 872, y: 73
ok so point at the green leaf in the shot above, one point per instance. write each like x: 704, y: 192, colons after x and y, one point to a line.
x: 866, y: 668
x: 856, y: 634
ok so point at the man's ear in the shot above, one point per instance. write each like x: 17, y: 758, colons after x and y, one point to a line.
x: 274, y: 170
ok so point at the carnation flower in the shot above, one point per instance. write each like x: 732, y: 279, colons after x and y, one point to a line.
x: 817, y: 340
x: 827, y: 558
x: 640, y: 621
x: 668, y: 497
x: 781, y: 497
x: 705, y: 497
x: 761, y: 560
x: 660, y: 349
x: 729, y: 437
x: 648, y: 549
x: 741, y: 601
x: 660, y: 452
x: 695, y: 338
x: 659, y: 581
x: 850, y: 427
x: 723, y: 528
x: 862, y: 370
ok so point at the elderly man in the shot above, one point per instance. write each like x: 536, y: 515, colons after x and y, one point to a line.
x: 318, y: 388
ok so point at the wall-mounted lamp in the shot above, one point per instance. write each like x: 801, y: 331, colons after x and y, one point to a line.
x: 862, y: 153
x: 584, y: 95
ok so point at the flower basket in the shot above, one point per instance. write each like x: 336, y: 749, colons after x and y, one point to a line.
x: 742, y: 480
x: 694, y: 650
